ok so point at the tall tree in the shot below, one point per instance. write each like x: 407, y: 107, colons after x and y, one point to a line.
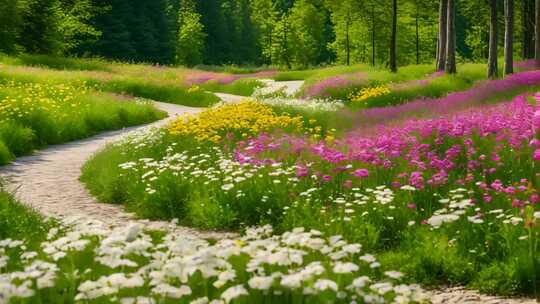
x: 450, y: 65
x: 493, y: 37
x: 441, y: 45
x: 39, y: 32
x: 9, y: 25
x: 537, y: 34
x: 264, y: 17
x: 527, y: 28
x: 417, y: 30
x: 508, y: 37
x: 280, y: 49
x: 191, y: 35
x: 74, y: 24
x: 393, y: 38
x: 373, y: 36
x: 307, y: 41
x: 345, y: 16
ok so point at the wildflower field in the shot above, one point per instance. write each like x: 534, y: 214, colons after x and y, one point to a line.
x: 446, y: 198
x: 33, y: 115
x: 331, y: 200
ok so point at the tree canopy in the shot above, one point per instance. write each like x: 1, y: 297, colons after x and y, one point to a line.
x: 289, y: 33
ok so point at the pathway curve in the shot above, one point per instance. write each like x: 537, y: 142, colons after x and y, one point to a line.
x: 290, y: 87
x: 48, y: 180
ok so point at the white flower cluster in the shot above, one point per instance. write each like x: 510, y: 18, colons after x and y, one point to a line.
x: 455, y: 207
x: 206, y: 169
x: 317, y: 105
x: 128, y: 260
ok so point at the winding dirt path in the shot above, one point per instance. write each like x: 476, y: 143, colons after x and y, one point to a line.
x: 48, y: 180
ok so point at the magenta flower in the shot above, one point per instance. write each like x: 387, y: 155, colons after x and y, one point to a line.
x: 302, y: 171
x: 361, y: 173
x: 536, y: 155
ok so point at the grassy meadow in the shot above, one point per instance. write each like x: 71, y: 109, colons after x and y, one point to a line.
x: 414, y: 178
x: 34, y: 115
x: 419, y: 183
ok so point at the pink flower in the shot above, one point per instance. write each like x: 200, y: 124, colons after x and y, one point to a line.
x: 536, y: 155
x: 361, y: 173
x: 534, y: 198
x: 488, y: 198
x: 348, y: 184
x: 326, y: 178
x: 302, y: 171
x: 411, y: 206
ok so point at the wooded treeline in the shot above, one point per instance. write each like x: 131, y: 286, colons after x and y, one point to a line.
x: 288, y: 33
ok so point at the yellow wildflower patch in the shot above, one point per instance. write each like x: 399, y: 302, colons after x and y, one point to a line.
x: 240, y: 120
x: 20, y: 100
x: 366, y: 93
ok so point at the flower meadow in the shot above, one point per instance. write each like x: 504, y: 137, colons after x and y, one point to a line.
x: 84, y: 261
x: 446, y: 199
x: 36, y: 114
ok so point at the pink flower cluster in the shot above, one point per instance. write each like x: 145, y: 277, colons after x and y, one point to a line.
x: 462, y: 147
x: 452, y: 102
x: 320, y: 88
x: 200, y: 77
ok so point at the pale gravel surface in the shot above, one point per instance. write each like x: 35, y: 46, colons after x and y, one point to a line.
x: 49, y: 182
x: 460, y: 295
x: 290, y: 87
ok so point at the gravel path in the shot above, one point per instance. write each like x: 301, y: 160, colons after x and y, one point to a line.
x: 49, y: 182
x: 290, y: 87
x: 460, y: 295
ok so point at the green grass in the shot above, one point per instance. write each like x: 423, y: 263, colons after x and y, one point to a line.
x: 162, y: 83
x: 20, y: 222
x: 133, y: 86
x: 233, y: 69
x: 58, y: 63
x: 242, y: 87
x: 35, y: 115
x: 312, y: 75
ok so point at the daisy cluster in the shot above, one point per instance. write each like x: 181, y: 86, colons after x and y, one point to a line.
x: 84, y: 261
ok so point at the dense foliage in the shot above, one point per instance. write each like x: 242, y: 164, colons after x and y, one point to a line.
x: 296, y: 33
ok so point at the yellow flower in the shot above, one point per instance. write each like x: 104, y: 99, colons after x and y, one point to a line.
x: 367, y: 93
x: 243, y: 119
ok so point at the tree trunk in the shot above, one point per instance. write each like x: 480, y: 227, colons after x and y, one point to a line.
x: 492, y: 57
x: 393, y: 46
x: 373, y: 35
x: 530, y: 23
x: 441, y: 45
x: 537, y: 34
x: 347, y: 41
x: 508, y: 37
x: 417, y: 35
x: 450, y: 66
x: 527, y: 25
